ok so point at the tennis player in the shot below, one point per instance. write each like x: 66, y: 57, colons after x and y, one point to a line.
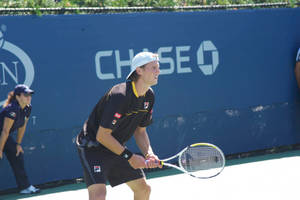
x: 297, y: 68
x: 124, y: 111
x: 14, y: 117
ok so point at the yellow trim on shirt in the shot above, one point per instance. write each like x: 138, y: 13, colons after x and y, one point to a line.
x: 135, y: 112
x: 143, y: 110
x: 134, y: 90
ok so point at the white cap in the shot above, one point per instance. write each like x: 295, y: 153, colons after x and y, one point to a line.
x: 141, y: 59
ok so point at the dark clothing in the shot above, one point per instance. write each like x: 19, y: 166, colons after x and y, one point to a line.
x: 99, y: 166
x: 122, y: 111
x: 16, y: 163
x: 16, y: 113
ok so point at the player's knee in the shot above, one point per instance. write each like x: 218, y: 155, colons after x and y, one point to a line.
x: 146, y: 189
x: 99, y: 194
x: 97, y: 197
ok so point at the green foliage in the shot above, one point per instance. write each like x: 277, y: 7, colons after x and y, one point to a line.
x: 37, y: 4
x: 124, y: 3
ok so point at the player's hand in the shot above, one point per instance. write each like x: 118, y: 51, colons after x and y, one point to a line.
x: 137, y: 161
x: 153, y: 161
x: 19, y: 150
x: 1, y: 154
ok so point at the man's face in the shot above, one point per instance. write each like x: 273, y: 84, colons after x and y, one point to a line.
x: 149, y: 74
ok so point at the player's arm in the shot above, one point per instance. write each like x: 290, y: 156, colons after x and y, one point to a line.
x: 143, y: 142
x: 297, y: 73
x: 8, y: 123
x: 105, y: 138
x: 20, y: 135
x: 21, y: 132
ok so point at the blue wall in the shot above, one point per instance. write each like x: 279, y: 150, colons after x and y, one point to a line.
x: 227, y: 78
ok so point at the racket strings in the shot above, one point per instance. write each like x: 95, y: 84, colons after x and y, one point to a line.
x: 201, y: 158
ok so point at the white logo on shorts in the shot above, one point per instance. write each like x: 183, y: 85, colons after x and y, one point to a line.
x: 97, y: 169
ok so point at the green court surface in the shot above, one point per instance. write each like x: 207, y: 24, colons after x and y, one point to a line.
x: 268, y: 177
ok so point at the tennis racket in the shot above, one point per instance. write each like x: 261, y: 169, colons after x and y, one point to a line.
x: 200, y: 160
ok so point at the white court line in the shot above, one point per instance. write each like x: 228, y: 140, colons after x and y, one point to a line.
x: 276, y: 179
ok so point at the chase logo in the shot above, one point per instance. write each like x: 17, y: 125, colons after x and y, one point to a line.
x: 208, y: 69
x: 15, y: 67
x: 173, y: 60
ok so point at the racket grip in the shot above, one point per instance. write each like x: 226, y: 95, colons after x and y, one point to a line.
x: 160, y: 162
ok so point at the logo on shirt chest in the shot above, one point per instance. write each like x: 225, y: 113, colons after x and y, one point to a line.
x: 12, y: 114
x: 146, y: 105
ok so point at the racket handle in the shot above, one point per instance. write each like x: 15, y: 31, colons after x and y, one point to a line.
x: 160, y: 162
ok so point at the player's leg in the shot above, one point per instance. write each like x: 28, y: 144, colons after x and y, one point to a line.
x: 140, y: 189
x: 121, y: 172
x: 93, y: 173
x: 17, y: 163
x: 97, y: 192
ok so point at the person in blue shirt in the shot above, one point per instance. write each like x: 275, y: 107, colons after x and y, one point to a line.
x: 14, y: 117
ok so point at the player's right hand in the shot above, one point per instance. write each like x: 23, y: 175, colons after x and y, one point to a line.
x: 153, y: 161
x: 1, y: 154
x: 137, y: 161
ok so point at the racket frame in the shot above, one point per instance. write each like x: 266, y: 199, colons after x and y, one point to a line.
x: 180, y: 168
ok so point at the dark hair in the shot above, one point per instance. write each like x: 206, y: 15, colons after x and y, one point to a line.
x: 134, y: 76
x: 10, y: 97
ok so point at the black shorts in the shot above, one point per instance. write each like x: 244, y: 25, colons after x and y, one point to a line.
x: 100, y: 166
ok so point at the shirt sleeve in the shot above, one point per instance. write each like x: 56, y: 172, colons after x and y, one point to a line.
x: 113, y: 111
x: 11, y: 113
x: 298, y: 56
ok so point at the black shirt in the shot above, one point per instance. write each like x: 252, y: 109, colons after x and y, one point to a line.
x: 16, y: 113
x: 121, y: 110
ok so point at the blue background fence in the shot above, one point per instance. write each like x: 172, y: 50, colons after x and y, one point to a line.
x: 226, y: 78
